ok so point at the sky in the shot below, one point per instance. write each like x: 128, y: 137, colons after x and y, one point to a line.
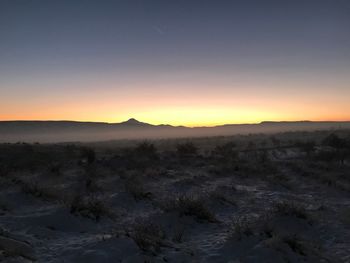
x: 183, y: 62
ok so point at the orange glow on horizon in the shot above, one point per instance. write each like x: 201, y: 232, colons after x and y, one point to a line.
x: 194, y: 104
x: 191, y: 117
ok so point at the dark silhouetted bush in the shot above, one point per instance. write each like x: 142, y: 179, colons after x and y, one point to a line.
x: 186, y: 149
x: 241, y: 227
x: 226, y: 151
x: 191, y: 206
x: 307, y: 147
x: 146, y: 149
x: 341, y: 146
x: 290, y: 209
x: 35, y: 189
x: 275, y: 141
x: 89, y: 155
x: 334, y: 141
x: 89, y: 207
x: 136, y: 189
x: 148, y: 236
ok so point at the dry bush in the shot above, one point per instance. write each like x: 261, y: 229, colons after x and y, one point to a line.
x: 4, y: 209
x: 186, y: 149
x: 241, y: 227
x: 148, y: 236
x: 288, y: 208
x: 191, y: 206
x: 55, y: 169
x: 90, y: 176
x: 295, y: 244
x: 90, y: 207
x: 136, y: 189
x: 35, y: 189
x: 146, y: 148
x: 179, y: 232
x: 227, y: 150
x: 308, y: 251
x: 307, y: 147
x: 88, y: 155
x: 141, y: 157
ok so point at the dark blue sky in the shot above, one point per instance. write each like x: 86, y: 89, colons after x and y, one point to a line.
x: 46, y: 42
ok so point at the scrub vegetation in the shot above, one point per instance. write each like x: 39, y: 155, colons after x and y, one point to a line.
x: 280, y: 197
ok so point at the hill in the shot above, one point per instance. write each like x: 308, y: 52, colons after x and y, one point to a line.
x: 64, y: 131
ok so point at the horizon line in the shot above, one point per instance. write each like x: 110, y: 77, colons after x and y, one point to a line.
x: 167, y: 124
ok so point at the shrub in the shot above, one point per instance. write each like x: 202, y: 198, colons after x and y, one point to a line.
x: 191, y: 206
x: 144, y: 155
x: 275, y: 141
x: 226, y: 158
x: 263, y: 157
x: 295, y: 244
x: 34, y: 189
x: 179, y: 232
x: 4, y: 208
x: 290, y: 209
x: 334, y: 141
x: 186, y: 149
x: 55, y: 168
x: 136, y: 189
x: 90, y: 177
x: 148, y: 236
x: 226, y: 151
x: 146, y: 149
x: 241, y: 227
x: 90, y: 207
x: 89, y: 155
x: 307, y: 147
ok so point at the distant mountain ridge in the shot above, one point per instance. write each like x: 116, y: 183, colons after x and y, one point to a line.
x: 62, y: 131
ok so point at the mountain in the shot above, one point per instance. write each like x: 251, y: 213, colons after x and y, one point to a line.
x: 63, y: 131
x: 134, y: 122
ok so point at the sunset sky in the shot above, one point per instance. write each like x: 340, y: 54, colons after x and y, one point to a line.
x: 183, y: 62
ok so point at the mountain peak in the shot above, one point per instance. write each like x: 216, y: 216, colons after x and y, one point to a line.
x: 132, y: 121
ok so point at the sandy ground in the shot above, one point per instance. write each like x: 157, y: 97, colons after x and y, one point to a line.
x: 190, y: 208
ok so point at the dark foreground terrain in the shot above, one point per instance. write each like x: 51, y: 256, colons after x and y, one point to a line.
x: 253, y: 198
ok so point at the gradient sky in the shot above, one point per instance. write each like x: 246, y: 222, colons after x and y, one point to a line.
x: 190, y: 62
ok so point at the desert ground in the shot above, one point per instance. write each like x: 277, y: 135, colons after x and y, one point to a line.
x: 245, y: 198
